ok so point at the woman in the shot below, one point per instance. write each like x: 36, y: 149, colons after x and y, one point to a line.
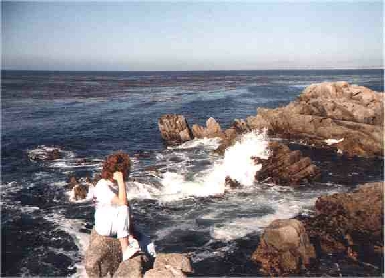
x: 112, y: 215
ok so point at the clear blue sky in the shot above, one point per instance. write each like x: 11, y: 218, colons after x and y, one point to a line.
x: 191, y: 35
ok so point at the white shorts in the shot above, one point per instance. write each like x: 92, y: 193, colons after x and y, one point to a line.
x: 112, y: 221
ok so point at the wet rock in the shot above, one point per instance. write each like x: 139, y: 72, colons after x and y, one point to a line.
x: 330, y: 111
x: 72, y: 182
x: 45, y: 154
x: 131, y: 268
x: 284, y: 248
x: 241, y: 126
x: 174, y: 129
x: 96, y: 179
x: 350, y: 223
x: 79, y: 192
x: 232, y: 183
x: 103, y: 255
x: 286, y: 167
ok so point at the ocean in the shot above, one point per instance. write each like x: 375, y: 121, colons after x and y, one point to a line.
x: 177, y: 192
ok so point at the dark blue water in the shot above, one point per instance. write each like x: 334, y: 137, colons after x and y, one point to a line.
x: 92, y: 114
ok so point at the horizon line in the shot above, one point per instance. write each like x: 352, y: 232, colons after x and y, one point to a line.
x: 267, y: 69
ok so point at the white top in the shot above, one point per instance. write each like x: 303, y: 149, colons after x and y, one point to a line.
x: 104, y: 192
x: 105, y: 211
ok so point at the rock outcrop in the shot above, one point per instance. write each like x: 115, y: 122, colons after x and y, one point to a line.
x: 286, y: 167
x: 131, y: 268
x: 174, y: 129
x: 212, y: 130
x: 352, y: 114
x: 169, y: 266
x: 284, y: 248
x: 350, y: 223
x: 104, y: 258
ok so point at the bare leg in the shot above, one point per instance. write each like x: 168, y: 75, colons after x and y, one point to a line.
x: 123, y: 243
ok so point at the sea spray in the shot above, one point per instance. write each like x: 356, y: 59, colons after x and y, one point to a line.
x: 237, y: 163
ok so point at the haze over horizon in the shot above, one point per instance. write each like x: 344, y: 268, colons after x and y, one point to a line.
x: 172, y: 36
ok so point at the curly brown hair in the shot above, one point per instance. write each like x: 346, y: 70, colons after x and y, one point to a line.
x: 119, y: 161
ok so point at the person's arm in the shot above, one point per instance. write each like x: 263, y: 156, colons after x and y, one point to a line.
x: 121, y: 199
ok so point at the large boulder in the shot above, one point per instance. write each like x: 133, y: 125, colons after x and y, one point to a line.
x: 350, y: 223
x: 170, y: 266
x: 104, y: 258
x: 284, y: 248
x: 103, y: 255
x: 174, y: 129
x: 131, y: 268
x: 353, y: 115
x: 286, y: 167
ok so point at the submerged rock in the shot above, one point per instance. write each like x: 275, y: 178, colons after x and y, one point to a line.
x: 350, y: 223
x: 286, y: 167
x: 45, y: 154
x: 174, y: 129
x: 330, y: 111
x: 284, y: 248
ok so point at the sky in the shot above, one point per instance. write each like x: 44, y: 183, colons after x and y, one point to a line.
x: 187, y: 35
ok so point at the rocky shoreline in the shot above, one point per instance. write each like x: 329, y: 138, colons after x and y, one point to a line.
x: 346, y: 119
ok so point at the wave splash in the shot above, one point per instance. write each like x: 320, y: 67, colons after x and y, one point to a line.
x: 237, y: 164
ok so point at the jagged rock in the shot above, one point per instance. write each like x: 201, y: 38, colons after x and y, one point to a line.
x: 286, y: 167
x: 330, y: 111
x: 350, y: 223
x: 284, y: 248
x: 131, y: 268
x: 198, y: 131
x: 241, y: 126
x: 232, y: 183
x: 212, y: 130
x: 174, y: 129
x: 103, y: 255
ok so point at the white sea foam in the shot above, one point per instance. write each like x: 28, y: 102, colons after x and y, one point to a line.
x: 333, y: 141
x: 72, y: 227
x: 237, y: 164
x: 208, y: 143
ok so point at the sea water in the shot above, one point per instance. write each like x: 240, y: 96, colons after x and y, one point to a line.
x: 178, y: 193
